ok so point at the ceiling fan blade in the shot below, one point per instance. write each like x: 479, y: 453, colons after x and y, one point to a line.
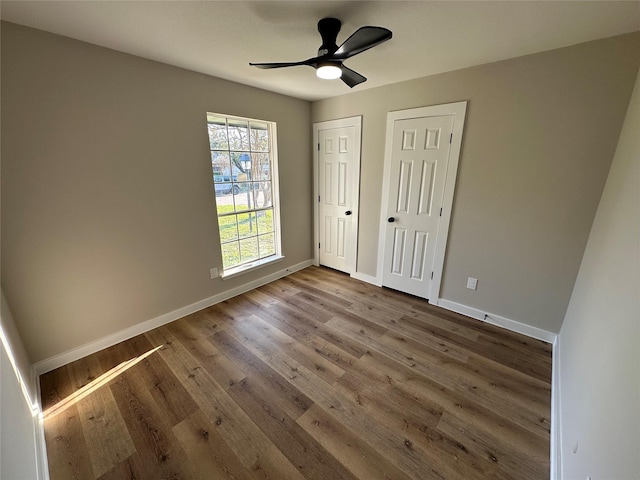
x: 362, y: 39
x: 351, y: 77
x: 278, y: 64
x: 309, y: 61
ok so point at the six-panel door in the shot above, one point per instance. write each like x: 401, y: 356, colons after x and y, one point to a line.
x: 336, y: 180
x: 420, y: 153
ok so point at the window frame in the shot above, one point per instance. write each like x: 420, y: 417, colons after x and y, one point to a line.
x: 275, y: 198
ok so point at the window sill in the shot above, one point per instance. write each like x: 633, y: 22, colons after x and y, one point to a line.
x: 250, y: 267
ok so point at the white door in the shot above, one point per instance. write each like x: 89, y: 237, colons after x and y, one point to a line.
x: 338, y: 159
x: 418, y: 169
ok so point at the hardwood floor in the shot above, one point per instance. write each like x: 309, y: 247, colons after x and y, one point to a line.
x: 314, y: 376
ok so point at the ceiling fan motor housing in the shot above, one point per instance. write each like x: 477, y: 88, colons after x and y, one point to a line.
x: 328, y: 28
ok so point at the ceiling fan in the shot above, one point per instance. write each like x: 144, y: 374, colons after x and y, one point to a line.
x: 329, y: 62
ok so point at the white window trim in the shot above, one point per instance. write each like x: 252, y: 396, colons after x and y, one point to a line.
x: 250, y: 267
x: 275, y: 200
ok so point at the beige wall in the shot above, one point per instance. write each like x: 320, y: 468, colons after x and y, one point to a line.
x: 108, y: 214
x: 539, y: 138
x: 599, y: 374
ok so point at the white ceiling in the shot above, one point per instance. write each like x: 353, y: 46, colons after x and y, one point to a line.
x: 220, y: 38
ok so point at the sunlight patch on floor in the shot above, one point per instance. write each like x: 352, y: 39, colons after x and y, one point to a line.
x: 95, y: 384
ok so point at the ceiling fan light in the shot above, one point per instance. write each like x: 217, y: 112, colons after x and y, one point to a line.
x: 329, y: 71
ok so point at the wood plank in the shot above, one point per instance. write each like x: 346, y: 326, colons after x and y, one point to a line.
x: 67, y: 448
x: 224, y: 371
x: 55, y: 387
x: 374, y: 299
x: 279, y: 289
x: 261, y: 298
x: 328, y: 350
x: 404, y: 455
x: 166, y: 390
x: 497, y: 350
x: 418, y: 423
x: 294, y: 281
x: 501, y: 351
x: 102, y: 423
x: 496, y: 433
x: 122, y: 352
x: 245, y: 439
x: 500, y: 384
x: 208, y: 321
x: 304, y: 302
x: 528, y: 389
x: 437, y: 326
x: 348, y: 447
x: 131, y: 468
x: 66, y: 445
x: 262, y: 379
x: 207, y: 449
x: 158, y: 449
x: 391, y: 403
x: 530, y: 345
x: 375, y: 314
x: 445, y: 333
x: 383, y: 372
x: 372, y: 296
x: 519, y: 464
x: 271, y: 340
x: 365, y: 294
x: 311, y: 459
x: 440, y: 350
x: 473, y: 387
x: 293, y: 323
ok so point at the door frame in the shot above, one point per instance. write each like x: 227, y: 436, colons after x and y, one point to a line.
x: 353, y: 244
x: 458, y: 110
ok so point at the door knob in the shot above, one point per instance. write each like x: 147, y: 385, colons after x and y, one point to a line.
x: 391, y: 219
x: 348, y: 212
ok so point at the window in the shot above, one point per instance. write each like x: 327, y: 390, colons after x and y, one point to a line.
x: 244, y: 168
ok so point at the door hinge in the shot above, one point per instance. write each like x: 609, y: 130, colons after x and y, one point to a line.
x: 450, y: 138
x: 318, y: 245
x: 318, y: 198
x: 431, y: 275
x: 318, y: 146
x: 441, y: 211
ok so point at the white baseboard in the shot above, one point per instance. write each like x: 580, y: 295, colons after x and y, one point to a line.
x: 42, y: 461
x: 77, y: 353
x: 366, y: 278
x: 556, y: 431
x: 499, y: 321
